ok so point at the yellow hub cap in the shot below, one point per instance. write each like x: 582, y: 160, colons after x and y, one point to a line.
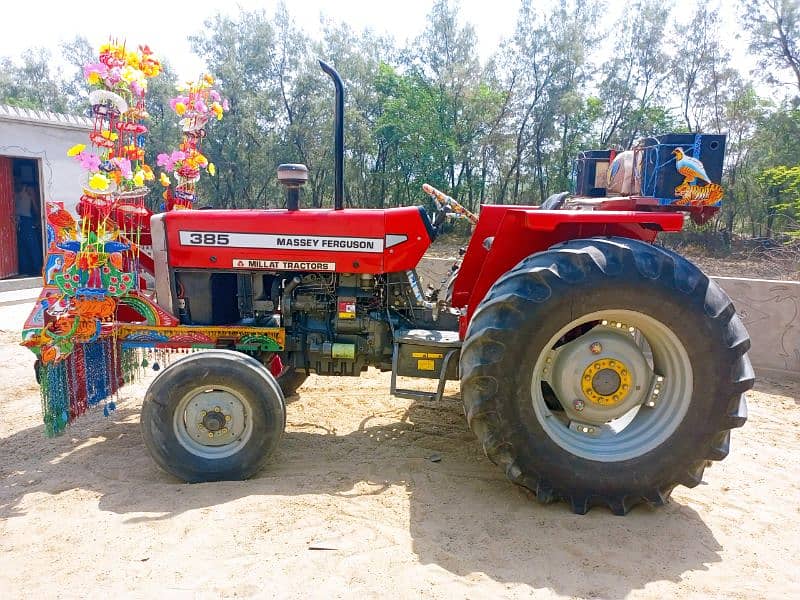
x: 606, y: 382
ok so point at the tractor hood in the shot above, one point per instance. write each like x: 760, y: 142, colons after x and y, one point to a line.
x: 347, y: 241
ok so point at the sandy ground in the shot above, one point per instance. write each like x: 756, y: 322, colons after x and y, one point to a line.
x: 90, y: 515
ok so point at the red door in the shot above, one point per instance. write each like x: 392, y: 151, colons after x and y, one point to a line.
x: 8, y: 230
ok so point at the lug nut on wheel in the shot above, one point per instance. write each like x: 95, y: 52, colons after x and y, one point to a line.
x: 596, y: 348
x: 579, y: 405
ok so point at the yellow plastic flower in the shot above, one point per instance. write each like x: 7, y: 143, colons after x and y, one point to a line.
x: 94, y: 78
x: 99, y: 182
x: 133, y: 59
x: 164, y: 179
x: 216, y: 108
x: 76, y: 149
x: 129, y: 73
x: 200, y: 160
x: 148, y: 173
x: 138, y: 178
x: 180, y: 108
x: 109, y: 135
x: 208, y: 79
x: 212, y: 170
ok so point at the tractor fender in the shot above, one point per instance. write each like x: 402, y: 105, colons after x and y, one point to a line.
x: 519, y: 232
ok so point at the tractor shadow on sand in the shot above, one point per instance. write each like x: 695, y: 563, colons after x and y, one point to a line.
x: 463, y: 515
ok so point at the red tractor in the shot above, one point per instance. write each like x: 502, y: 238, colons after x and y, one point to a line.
x: 595, y: 367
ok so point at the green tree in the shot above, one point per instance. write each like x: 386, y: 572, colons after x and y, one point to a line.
x: 774, y: 29
x: 240, y: 52
x: 632, y: 80
x: 782, y: 186
x: 32, y: 83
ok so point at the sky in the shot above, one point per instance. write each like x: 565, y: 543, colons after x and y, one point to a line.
x: 165, y: 25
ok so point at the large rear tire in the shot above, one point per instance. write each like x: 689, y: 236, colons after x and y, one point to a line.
x: 213, y: 416
x: 287, y: 376
x: 290, y: 381
x: 605, y: 371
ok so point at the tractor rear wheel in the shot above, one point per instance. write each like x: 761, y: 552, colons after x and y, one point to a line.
x: 605, y: 371
x: 287, y: 376
x: 290, y: 380
x: 213, y: 416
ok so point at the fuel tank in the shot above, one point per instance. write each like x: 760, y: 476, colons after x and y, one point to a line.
x: 346, y: 241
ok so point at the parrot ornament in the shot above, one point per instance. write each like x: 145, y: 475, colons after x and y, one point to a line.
x: 690, y: 192
x: 691, y: 168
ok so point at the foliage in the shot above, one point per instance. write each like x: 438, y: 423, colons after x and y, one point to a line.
x: 774, y: 28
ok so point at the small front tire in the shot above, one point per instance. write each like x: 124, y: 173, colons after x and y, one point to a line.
x: 213, y: 416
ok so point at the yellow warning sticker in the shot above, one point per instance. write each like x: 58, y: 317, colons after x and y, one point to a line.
x: 425, y: 365
x: 426, y: 355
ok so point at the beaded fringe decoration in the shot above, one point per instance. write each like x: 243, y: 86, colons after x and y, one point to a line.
x: 91, y: 375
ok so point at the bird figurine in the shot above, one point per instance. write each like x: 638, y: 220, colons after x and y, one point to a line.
x: 691, y: 168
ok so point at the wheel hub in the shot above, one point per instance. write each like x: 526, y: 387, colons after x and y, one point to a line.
x: 214, y: 421
x: 599, y: 376
x: 606, y: 382
x: 213, y: 418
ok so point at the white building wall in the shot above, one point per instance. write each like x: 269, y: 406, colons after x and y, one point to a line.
x: 61, y: 176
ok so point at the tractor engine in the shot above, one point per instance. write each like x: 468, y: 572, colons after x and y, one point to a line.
x: 335, y: 323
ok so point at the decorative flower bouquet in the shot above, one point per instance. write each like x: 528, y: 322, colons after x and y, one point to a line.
x: 118, y: 80
x: 196, y: 105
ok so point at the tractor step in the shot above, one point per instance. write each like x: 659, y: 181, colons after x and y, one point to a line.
x: 428, y: 354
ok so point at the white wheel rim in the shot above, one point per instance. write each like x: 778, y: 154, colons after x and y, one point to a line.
x: 644, y: 427
x: 213, y: 422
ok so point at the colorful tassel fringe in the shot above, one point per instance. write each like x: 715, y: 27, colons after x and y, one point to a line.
x: 91, y: 374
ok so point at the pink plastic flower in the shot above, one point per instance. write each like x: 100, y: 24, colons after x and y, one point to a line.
x: 124, y: 166
x: 94, y: 72
x: 168, y: 161
x: 225, y: 105
x: 215, y: 96
x: 200, y: 106
x: 162, y: 160
x: 89, y: 161
x: 136, y: 88
x: 179, y: 99
x: 113, y: 76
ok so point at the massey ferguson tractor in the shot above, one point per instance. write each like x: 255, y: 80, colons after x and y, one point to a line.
x: 595, y: 367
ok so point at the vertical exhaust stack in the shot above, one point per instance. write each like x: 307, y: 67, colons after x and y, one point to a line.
x: 338, y: 136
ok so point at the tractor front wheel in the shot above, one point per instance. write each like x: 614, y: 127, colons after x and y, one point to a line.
x: 213, y: 416
x: 605, y: 371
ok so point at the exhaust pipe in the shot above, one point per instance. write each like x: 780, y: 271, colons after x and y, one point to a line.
x: 338, y: 136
